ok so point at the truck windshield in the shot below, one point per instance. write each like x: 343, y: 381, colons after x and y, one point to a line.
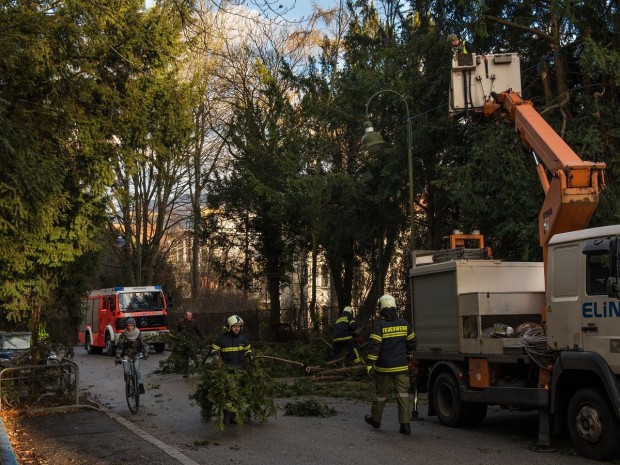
x: 139, y: 301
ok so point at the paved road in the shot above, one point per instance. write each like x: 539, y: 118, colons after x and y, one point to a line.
x: 172, y: 420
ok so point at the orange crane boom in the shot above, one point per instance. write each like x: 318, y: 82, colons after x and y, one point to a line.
x: 571, y: 185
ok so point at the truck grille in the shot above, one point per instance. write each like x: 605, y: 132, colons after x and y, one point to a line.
x: 144, y: 322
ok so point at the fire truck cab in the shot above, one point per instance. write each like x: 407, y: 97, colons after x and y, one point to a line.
x: 105, y: 313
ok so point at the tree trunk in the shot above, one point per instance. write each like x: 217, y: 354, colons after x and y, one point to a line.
x: 313, y: 313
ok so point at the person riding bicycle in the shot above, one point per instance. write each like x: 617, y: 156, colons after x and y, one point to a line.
x: 129, y: 346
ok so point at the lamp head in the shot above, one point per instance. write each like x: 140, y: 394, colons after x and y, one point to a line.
x: 120, y: 242
x: 371, y: 140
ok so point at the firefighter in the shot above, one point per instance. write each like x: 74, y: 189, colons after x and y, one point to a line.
x: 392, y: 343
x: 233, y: 349
x: 463, y: 46
x: 131, y: 344
x: 345, y: 335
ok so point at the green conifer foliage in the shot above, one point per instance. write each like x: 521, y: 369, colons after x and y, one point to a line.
x: 247, y: 393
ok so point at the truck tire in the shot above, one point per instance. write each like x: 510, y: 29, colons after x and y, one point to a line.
x: 110, y: 347
x: 593, y: 426
x: 450, y: 410
x: 88, y: 345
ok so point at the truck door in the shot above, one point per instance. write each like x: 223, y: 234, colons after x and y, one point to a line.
x: 600, y: 313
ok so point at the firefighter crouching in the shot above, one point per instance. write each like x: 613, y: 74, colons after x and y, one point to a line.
x: 345, y: 335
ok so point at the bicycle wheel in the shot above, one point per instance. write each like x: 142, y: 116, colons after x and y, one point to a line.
x: 136, y: 391
x: 131, y: 391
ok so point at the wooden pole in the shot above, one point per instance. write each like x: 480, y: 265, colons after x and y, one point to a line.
x: 278, y: 359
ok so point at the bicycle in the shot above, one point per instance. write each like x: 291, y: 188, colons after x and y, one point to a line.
x: 132, y: 389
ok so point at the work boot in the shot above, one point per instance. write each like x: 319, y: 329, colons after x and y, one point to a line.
x: 141, y: 388
x: 405, y: 428
x: 372, y: 422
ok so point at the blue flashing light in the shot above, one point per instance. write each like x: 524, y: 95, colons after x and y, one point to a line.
x: 119, y: 289
x: 158, y: 287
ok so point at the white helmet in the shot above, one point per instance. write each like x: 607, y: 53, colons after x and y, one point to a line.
x: 234, y: 320
x: 348, y: 310
x: 386, y: 301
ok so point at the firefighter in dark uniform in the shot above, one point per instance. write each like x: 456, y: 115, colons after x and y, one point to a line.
x: 391, y: 343
x: 345, y: 333
x: 233, y: 349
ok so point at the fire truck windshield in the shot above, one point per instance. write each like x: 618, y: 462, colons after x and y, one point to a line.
x: 139, y: 301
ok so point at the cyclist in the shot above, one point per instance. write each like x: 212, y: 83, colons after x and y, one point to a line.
x: 130, y: 345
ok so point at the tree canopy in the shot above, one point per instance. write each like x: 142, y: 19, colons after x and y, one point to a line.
x: 117, y: 119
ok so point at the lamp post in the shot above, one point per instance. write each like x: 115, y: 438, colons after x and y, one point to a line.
x: 372, y: 142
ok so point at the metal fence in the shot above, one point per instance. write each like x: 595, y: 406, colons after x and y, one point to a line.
x: 40, y: 385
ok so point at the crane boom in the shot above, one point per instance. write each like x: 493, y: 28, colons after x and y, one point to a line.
x: 571, y: 185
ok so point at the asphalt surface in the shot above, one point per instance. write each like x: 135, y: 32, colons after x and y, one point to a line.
x: 86, y: 435
x: 169, y: 430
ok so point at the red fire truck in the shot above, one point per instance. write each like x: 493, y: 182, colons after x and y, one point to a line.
x: 105, y: 313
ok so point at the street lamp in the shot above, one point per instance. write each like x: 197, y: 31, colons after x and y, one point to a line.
x: 120, y: 242
x: 372, y: 142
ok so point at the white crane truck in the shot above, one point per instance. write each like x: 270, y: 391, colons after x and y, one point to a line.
x: 542, y: 336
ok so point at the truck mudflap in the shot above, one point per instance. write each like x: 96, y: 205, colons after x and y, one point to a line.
x: 586, y: 362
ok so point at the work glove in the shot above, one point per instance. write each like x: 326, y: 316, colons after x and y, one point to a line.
x: 370, y: 369
x: 118, y: 361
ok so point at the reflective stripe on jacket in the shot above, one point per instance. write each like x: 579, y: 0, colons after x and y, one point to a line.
x: 232, y: 348
x: 344, y: 328
x: 390, y: 343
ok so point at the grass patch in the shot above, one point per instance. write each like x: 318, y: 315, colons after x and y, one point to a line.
x: 347, y: 389
x: 308, y: 408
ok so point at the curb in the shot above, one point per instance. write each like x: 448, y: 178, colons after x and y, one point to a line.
x: 8, y: 455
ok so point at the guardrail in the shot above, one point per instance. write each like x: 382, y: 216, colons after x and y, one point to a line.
x: 31, y: 384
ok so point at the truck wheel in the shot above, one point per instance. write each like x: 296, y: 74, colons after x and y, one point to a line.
x: 109, y: 346
x: 90, y: 349
x: 449, y: 408
x: 159, y: 347
x: 593, y: 426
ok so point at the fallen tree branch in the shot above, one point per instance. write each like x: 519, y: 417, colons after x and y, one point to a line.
x: 322, y: 372
x: 335, y: 361
x: 278, y: 359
